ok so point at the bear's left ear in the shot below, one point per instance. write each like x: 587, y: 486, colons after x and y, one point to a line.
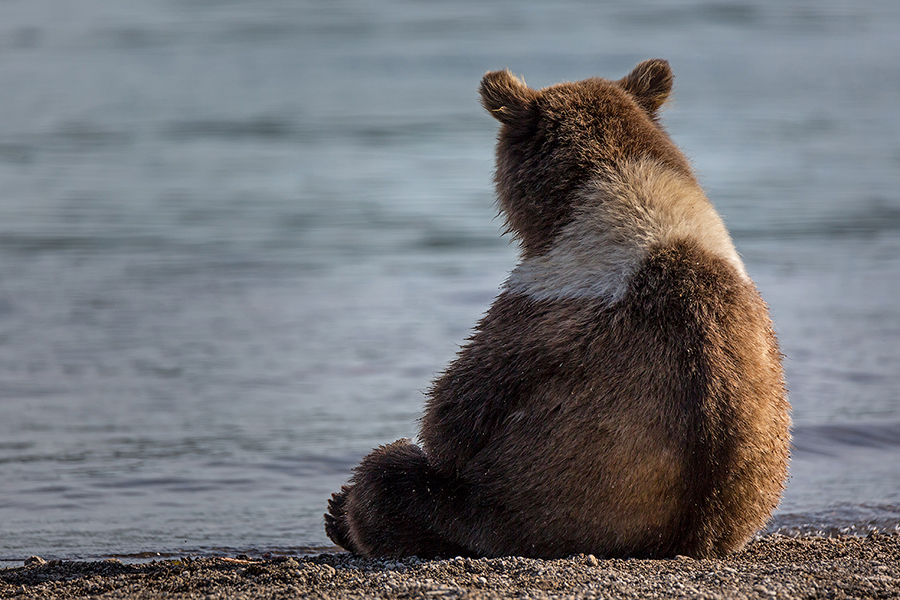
x: 650, y: 83
x: 507, y: 98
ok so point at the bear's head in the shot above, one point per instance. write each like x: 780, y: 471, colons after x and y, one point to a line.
x: 555, y: 140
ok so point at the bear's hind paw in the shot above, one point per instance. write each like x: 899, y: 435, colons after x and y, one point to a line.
x: 336, y: 526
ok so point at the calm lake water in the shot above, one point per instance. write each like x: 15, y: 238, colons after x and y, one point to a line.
x: 237, y: 239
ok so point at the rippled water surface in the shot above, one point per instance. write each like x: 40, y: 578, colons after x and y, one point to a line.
x: 237, y: 239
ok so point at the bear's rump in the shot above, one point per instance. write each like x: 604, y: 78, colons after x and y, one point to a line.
x: 608, y: 487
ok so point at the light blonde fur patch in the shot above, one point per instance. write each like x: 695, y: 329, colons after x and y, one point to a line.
x: 625, y: 213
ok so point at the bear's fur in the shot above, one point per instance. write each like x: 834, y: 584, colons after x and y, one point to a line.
x: 623, y: 396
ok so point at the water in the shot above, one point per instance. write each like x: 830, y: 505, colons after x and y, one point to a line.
x: 238, y: 239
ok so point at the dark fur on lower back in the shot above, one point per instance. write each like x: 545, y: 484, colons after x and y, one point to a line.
x: 523, y: 431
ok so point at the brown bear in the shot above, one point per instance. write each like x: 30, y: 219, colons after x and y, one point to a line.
x: 624, y: 395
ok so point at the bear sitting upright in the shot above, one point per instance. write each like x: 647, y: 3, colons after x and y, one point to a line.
x: 624, y: 394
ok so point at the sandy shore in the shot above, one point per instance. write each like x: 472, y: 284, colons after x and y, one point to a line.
x: 772, y: 567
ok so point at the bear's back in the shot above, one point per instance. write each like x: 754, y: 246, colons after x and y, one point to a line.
x: 643, y: 425
x: 624, y: 376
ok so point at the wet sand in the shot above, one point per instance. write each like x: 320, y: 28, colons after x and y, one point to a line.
x: 772, y: 567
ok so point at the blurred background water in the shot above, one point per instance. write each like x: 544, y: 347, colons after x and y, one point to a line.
x: 237, y: 239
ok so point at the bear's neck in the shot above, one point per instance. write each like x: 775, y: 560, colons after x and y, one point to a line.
x: 622, y: 215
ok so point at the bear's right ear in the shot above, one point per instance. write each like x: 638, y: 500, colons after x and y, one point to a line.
x: 507, y: 98
x: 650, y: 83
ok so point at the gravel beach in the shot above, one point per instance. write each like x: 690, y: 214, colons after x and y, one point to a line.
x: 771, y: 567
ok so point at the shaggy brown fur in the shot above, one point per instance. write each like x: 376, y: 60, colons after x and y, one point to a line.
x: 624, y: 395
